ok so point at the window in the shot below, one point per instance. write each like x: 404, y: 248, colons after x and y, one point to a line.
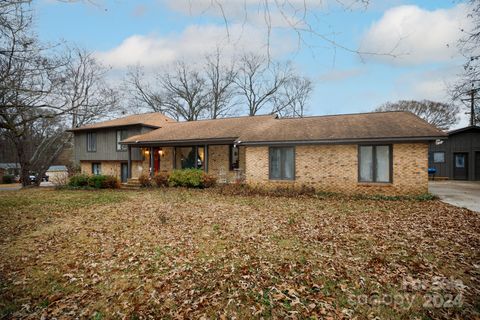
x: 282, y: 163
x: 121, y: 135
x: 439, y: 157
x: 189, y: 157
x: 459, y: 161
x: 96, y: 168
x: 375, y: 163
x: 91, y: 142
x: 234, y: 157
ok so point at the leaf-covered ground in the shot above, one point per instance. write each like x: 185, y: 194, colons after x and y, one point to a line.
x: 193, y: 253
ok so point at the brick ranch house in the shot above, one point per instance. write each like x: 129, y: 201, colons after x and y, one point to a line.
x: 376, y: 153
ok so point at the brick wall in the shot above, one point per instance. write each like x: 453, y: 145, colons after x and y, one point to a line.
x: 334, y: 168
x: 111, y: 168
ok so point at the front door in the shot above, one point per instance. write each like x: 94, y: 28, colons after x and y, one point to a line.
x: 460, y: 166
x: 477, y: 165
x: 124, y: 172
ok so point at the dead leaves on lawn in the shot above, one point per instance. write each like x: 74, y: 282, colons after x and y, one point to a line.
x: 194, y: 254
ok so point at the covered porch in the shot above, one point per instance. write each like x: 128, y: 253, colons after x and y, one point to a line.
x: 222, y: 159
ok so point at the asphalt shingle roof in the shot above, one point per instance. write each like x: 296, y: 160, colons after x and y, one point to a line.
x: 396, y: 125
x: 152, y: 119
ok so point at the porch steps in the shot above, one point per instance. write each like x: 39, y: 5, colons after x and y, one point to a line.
x: 131, y: 184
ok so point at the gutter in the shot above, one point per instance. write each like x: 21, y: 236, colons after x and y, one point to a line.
x: 342, y: 141
x: 235, y: 141
x: 113, y: 126
x: 180, y: 142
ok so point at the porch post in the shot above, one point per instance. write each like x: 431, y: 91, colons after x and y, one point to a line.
x: 129, y: 163
x: 196, y: 157
x: 206, y: 158
x: 151, y: 162
x: 174, y: 155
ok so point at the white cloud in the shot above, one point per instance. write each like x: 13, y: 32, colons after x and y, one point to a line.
x: 190, y: 45
x: 416, y: 35
x: 276, y: 14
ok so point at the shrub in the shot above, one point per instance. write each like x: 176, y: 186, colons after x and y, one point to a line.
x: 161, y: 180
x: 111, y: 182
x: 97, y: 181
x: 209, y: 181
x: 8, y: 178
x: 190, y: 178
x: 78, y: 181
x: 145, y: 180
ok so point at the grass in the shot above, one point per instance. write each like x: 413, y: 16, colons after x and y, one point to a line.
x: 174, y: 253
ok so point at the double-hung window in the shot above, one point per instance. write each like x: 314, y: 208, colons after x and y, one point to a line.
x: 282, y: 163
x: 91, y: 142
x: 121, y: 135
x: 375, y: 163
x: 96, y: 168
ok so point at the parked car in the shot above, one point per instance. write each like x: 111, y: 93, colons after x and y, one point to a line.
x: 33, y: 178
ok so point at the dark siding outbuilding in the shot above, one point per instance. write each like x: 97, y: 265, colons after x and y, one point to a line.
x: 461, y: 155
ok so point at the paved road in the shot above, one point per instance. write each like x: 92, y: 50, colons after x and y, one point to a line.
x: 8, y: 187
x: 458, y: 193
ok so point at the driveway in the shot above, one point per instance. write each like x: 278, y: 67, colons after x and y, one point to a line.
x: 458, y: 193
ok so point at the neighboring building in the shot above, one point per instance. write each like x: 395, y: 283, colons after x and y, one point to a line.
x: 458, y: 157
x: 97, y: 147
x: 376, y: 153
x: 10, y: 168
x: 57, y: 174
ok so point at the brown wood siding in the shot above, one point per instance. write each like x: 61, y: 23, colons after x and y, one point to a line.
x: 106, y: 145
x: 467, y: 141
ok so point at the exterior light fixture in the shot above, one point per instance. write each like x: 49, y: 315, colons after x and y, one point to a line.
x: 161, y: 153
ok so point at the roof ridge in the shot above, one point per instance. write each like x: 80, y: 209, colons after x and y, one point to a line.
x: 347, y: 114
x: 227, y: 118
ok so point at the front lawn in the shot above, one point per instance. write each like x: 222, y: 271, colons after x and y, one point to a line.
x: 190, y: 253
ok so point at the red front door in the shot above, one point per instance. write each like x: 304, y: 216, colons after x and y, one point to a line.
x: 156, y: 160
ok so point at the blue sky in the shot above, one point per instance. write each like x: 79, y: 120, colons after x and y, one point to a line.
x: 419, y: 35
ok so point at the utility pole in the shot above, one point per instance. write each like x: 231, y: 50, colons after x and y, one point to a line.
x: 472, y: 104
x: 472, y: 107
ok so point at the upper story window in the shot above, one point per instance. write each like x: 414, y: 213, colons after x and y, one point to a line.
x: 439, y: 157
x: 375, y: 163
x: 91, y: 142
x: 121, y: 135
x: 282, y: 163
x: 234, y: 157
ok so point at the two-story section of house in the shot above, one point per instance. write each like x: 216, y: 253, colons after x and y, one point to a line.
x: 98, y: 149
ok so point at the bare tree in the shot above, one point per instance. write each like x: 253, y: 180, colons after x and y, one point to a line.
x: 40, y: 90
x: 220, y: 78
x: 465, y: 90
x: 85, y: 91
x: 141, y: 93
x: 439, y: 114
x: 185, y: 95
x: 293, y: 97
x: 259, y: 81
